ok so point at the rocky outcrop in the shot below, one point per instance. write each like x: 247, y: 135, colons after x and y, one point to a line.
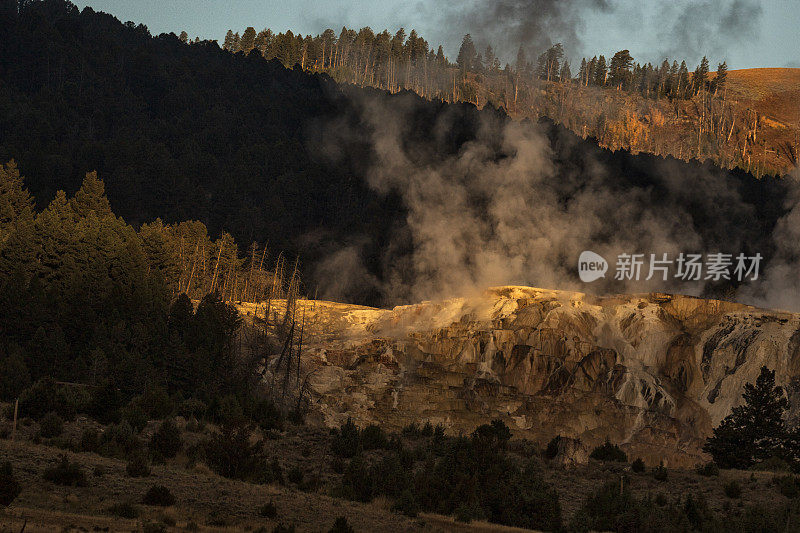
x: 652, y: 372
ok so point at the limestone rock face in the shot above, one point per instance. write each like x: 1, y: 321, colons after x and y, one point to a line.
x: 652, y: 372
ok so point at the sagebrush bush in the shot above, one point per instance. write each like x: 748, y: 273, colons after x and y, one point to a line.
x: 137, y: 465
x: 551, y: 450
x: 638, y: 466
x: 51, y: 425
x: 295, y: 475
x: 167, y: 439
x: 732, y: 489
x: 660, y: 472
x: 373, y: 437
x: 347, y: 441
x: 124, y: 510
x: 9, y: 486
x: 609, y: 452
x: 789, y: 486
x: 709, y: 469
x: 66, y: 473
x: 158, y: 495
x: 268, y: 510
x: 406, y: 504
x: 340, y: 525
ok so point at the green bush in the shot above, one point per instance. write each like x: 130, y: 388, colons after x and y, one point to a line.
x: 124, y: 510
x: 280, y: 528
x: 231, y: 454
x: 90, y: 441
x: 340, y: 525
x: 192, y: 408
x: 295, y: 475
x: 347, y: 441
x: 66, y: 473
x: 268, y: 510
x: 660, y: 472
x: 51, y: 425
x: 9, y: 486
x: 551, y: 450
x: 406, y: 504
x: 709, y: 469
x: 732, y: 489
x: 373, y: 438
x: 266, y: 414
x: 134, y: 415
x: 609, y: 452
x: 158, y: 495
x: 45, y: 396
x: 167, y: 439
x: 789, y: 486
x: 137, y: 465
x: 118, y: 440
x: 638, y: 466
x: 495, y: 434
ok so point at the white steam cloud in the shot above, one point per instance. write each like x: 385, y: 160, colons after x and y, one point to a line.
x: 478, y: 220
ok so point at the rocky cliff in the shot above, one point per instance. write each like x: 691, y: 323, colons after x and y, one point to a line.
x: 652, y: 372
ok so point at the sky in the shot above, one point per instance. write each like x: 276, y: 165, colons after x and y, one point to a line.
x: 744, y: 33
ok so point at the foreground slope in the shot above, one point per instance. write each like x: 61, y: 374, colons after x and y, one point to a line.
x: 654, y: 372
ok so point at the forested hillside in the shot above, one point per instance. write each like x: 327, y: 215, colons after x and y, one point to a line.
x: 669, y: 108
x: 287, y: 158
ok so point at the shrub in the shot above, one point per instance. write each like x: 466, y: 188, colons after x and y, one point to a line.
x: 9, y: 486
x: 90, y: 441
x: 229, y: 412
x: 609, y: 452
x: 66, y: 473
x: 268, y: 510
x: 295, y: 475
x: 733, y: 489
x: 660, y: 472
x: 789, y: 486
x: 406, y: 504
x: 153, y: 527
x: 347, y: 441
x: 356, y: 483
x: 338, y: 465
x: 230, y: 454
x: 709, y: 469
x: 467, y: 513
x: 638, y: 466
x: 373, y: 437
x: 51, y: 425
x: 494, y: 434
x: 192, y: 408
x: 124, y: 510
x: 412, y: 430
x: 280, y: 528
x: 137, y: 466
x: 552, y: 447
x: 266, y: 414
x: 167, y: 439
x: 155, y: 402
x: 45, y: 396
x: 134, y: 415
x: 158, y: 495
x: 340, y: 525
x: 118, y: 440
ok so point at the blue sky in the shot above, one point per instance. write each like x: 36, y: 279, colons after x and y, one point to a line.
x: 765, y: 35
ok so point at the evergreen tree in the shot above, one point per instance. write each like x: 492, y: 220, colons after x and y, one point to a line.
x: 600, y: 72
x: 754, y: 431
x: 619, y: 72
x: 522, y: 62
x: 228, y: 43
x: 184, y: 37
x: 722, y: 77
x: 16, y: 205
x: 583, y: 72
x: 466, y: 54
x: 702, y: 72
x: 248, y: 40
x: 565, y: 75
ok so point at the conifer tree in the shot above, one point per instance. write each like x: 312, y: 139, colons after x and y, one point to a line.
x: 754, y: 431
x: 466, y: 54
x: 248, y: 40
x: 600, y: 72
x: 722, y: 77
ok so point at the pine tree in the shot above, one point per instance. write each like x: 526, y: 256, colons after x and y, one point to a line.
x: 722, y: 77
x: 248, y: 40
x: 565, y: 75
x: 600, y: 72
x: 466, y: 54
x: 619, y: 72
x: 16, y: 205
x: 702, y: 72
x: 583, y: 72
x: 184, y: 37
x: 754, y: 431
x: 229, y: 42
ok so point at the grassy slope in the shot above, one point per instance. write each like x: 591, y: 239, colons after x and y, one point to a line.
x: 205, y: 498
